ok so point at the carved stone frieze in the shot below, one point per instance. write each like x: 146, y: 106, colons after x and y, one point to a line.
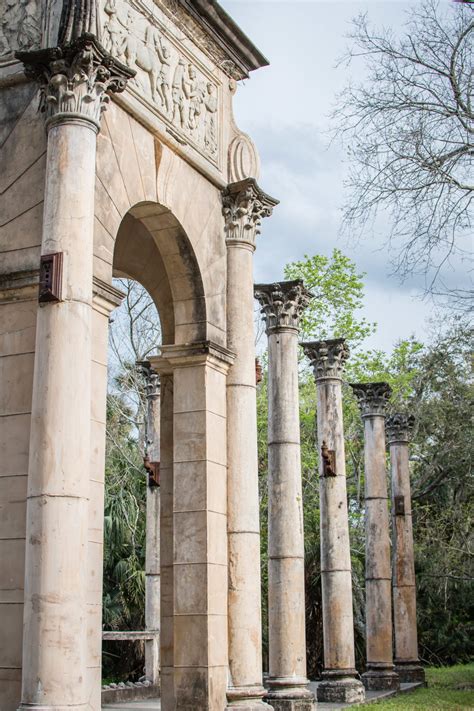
x: 75, y: 80
x: 399, y: 427
x: 20, y: 26
x: 244, y: 205
x: 327, y: 357
x: 282, y: 304
x: 177, y: 86
x: 373, y: 398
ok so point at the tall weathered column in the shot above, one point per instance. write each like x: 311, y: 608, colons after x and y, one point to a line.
x: 244, y: 206
x: 407, y: 664
x: 340, y: 679
x: 282, y: 304
x: 74, y: 82
x: 152, y: 549
x: 380, y: 674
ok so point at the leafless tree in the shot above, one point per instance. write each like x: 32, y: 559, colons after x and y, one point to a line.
x: 409, y: 130
x: 134, y: 335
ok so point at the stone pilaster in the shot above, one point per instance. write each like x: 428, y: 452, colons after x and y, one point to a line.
x: 341, y: 682
x: 152, y: 549
x: 398, y: 428
x: 74, y: 82
x: 244, y: 206
x: 194, y: 644
x: 282, y: 304
x: 373, y: 399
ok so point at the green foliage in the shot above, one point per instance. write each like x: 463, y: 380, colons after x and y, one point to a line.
x: 124, y: 541
x: 339, y: 292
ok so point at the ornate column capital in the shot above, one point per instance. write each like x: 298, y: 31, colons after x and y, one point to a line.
x: 244, y: 205
x: 152, y: 379
x: 399, y: 427
x: 372, y: 398
x: 75, y: 79
x: 327, y: 357
x: 282, y: 304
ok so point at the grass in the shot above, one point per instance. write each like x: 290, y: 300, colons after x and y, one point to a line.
x: 448, y: 688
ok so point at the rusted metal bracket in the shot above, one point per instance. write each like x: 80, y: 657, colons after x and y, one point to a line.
x: 50, y: 277
x: 399, y: 505
x: 153, y: 470
x: 329, y: 460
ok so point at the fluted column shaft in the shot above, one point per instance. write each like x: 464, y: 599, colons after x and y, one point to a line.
x: 380, y: 673
x: 340, y: 679
x: 244, y: 206
x: 281, y: 306
x: 407, y: 663
x: 73, y: 92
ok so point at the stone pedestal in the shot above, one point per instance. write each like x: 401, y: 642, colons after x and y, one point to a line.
x: 340, y: 679
x: 380, y: 674
x: 244, y: 206
x: 407, y: 664
x: 74, y: 90
x: 282, y: 304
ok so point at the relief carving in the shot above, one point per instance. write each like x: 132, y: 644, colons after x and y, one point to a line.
x: 180, y: 91
x: 20, y: 26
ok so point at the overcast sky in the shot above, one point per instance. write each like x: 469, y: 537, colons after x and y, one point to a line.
x: 285, y: 107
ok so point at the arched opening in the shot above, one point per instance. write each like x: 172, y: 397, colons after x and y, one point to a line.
x: 153, y: 249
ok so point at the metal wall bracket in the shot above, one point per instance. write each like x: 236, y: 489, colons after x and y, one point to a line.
x: 329, y: 460
x: 399, y: 505
x: 153, y: 470
x: 50, y: 277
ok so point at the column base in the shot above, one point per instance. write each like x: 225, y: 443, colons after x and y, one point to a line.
x: 341, y: 686
x: 247, y: 698
x: 289, y: 694
x: 381, y: 679
x: 410, y: 672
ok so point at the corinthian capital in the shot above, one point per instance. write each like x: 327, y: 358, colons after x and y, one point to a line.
x: 327, y: 357
x: 282, y: 304
x: 75, y: 79
x: 399, y: 427
x: 244, y: 205
x: 372, y: 398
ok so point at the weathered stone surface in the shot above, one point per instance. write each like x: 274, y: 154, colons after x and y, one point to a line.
x: 342, y: 691
x: 282, y: 304
x: 373, y: 399
x: 327, y: 359
x: 399, y: 428
x: 148, y: 208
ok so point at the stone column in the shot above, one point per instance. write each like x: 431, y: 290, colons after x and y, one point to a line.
x: 152, y: 550
x: 340, y: 679
x: 244, y: 206
x: 282, y: 304
x: 198, y: 646
x: 407, y: 664
x: 380, y: 674
x: 74, y: 82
